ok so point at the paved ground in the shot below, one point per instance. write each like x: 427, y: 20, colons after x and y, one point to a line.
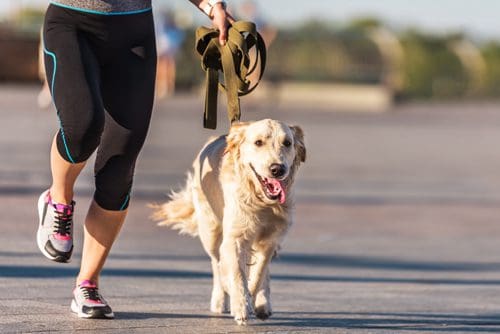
x: 397, y: 226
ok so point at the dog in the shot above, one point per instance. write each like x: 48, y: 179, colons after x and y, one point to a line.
x: 238, y: 199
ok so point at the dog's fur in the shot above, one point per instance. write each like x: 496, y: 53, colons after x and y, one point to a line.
x: 239, y: 222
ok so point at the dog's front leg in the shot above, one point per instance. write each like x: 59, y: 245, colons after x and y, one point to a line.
x: 258, y: 281
x: 219, y: 303
x: 262, y: 298
x: 232, y: 268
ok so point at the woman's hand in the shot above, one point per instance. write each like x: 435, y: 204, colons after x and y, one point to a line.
x: 219, y: 16
x: 221, y: 20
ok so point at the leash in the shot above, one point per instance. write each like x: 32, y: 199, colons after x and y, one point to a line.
x: 233, y: 60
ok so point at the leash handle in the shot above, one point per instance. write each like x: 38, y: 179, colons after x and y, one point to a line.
x: 233, y: 60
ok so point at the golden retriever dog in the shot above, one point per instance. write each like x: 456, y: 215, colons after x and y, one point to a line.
x: 239, y: 201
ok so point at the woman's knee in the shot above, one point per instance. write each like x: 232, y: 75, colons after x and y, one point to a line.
x: 113, y: 194
x: 77, y: 142
x: 115, y: 165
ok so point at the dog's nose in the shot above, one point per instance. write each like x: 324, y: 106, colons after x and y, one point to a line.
x: 277, y: 170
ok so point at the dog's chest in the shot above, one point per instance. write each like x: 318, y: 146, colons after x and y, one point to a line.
x: 269, y: 225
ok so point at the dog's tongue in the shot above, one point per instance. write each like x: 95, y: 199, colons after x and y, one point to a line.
x: 276, y: 187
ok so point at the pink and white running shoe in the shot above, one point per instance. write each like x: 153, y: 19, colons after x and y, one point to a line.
x: 55, y: 229
x: 88, y: 303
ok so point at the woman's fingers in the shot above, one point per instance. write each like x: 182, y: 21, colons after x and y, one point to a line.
x: 221, y: 20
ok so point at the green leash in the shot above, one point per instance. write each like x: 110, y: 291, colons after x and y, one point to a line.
x: 234, y: 61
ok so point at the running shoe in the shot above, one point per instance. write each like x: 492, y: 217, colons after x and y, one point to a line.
x: 88, y: 302
x: 55, y: 229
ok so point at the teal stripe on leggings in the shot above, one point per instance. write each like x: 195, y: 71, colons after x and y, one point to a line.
x: 54, y: 59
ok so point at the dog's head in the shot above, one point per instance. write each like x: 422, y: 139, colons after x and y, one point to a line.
x: 271, y: 151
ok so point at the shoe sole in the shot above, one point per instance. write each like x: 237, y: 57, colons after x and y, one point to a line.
x: 75, y: 309
x: 42, y: 207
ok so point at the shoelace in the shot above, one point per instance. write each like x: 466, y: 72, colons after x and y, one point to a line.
x: 63, y: 222
x: 91, y: 293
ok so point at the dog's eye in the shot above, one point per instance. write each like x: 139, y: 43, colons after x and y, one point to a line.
x: 287, y: 143
x: 259, y: 143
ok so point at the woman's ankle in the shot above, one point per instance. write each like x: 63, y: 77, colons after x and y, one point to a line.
x: 79, y: 281
x: 61, y: 197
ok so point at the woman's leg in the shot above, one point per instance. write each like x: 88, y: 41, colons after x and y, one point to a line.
x: 101, y: 229
x: 73, y: 76
x: 128, y: 101
x: 64, y: 176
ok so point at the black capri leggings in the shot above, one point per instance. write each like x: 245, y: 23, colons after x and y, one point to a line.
x: 101, y: 70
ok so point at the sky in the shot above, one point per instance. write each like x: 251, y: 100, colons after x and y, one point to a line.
x: 478, y: 18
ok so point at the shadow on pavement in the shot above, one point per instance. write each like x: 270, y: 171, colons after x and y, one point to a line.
x: 316, y: 260
x: 55, y: 272
x: 119, y: 256
x: 157, y: 315
x: 380, y: 263
x: 389, y: 321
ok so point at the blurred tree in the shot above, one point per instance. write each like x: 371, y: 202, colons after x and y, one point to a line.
x: 431, y: 69
x: 365, y: 23
x: 315, y: 51
x: 473, y: 63
x: 491, y: 55
x: 311, y: 52
x: 365, y: 59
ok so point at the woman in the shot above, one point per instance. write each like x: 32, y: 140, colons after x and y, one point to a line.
x: 100, y: 61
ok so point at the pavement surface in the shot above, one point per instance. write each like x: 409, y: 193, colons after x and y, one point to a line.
x: 397, y: 225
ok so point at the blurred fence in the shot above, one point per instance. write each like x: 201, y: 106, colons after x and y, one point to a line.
x: 409, y: 64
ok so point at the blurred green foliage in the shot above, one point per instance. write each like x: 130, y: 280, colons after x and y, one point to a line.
x: 306, y: 54
x: 430, y: 68
x: 316, y: 52
x: 491, y: 54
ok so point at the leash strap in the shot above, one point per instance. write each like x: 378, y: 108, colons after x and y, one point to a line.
x: 233, y: 60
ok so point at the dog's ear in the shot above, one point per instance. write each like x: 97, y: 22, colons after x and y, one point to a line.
x: 235, y: 136
x: 298, y: 137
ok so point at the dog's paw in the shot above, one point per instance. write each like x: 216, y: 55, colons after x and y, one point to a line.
x: 262, y: 305
x: 263, y: 312
x: 241, y: 320
x: 241, y: 316
x: 241, y: 311
x: 219, y: 304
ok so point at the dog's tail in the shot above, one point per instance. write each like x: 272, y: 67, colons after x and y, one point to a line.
x: 178, y: 213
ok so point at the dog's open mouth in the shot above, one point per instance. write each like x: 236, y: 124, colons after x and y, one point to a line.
x: 273, y: 188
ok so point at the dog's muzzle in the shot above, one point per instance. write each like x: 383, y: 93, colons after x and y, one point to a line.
x: 274, y: 189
